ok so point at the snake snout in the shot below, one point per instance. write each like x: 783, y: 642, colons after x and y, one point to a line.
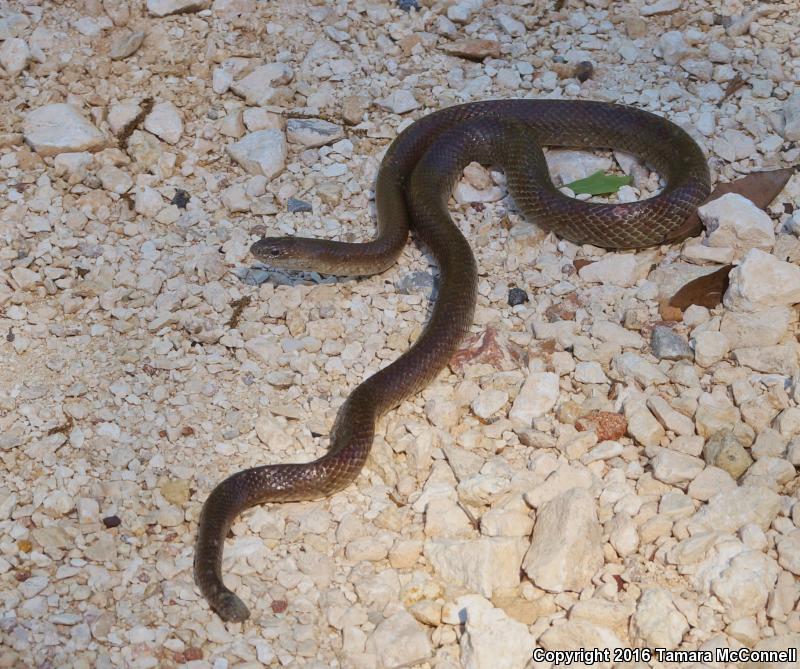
x: 268, y: 248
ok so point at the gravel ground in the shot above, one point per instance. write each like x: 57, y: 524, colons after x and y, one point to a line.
x: 587, y: 474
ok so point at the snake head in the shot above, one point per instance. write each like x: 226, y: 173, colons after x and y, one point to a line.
x: 280, y: 252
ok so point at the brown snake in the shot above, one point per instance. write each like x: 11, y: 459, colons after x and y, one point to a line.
x: 412, y: 190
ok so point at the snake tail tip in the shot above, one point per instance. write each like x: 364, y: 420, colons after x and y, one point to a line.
x: 231, y: 609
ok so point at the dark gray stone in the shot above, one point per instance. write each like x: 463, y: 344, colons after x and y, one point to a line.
x: 669, y: 345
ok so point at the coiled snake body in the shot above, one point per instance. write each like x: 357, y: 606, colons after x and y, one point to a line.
x: 412, y: 191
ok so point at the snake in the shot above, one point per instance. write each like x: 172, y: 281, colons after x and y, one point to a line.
x: 413, y: 186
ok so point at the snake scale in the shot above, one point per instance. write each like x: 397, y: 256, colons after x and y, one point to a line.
x: 412, y: 190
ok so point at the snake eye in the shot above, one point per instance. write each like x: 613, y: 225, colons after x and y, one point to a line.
x: 274, y: 252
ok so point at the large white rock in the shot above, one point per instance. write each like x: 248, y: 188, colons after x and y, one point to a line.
x: 566, y: 477
x: 167, y: 7
x: 759, y: 328
x: 566, y: 548
x: 14, y: 55
x: 734, y: 221
x: 261, y: 152
x: 660, y: 7
x: 616, y: 269
x: 60, y: 128
x: 730, y: 510
x: 635, y: 366
x: 761, y: 281
x: 657, y: 623
x: 536, y: 397
x: 674, y: 467
x: 492, y: 640
x: 781, y: 359
x: 258, y: 87
x: 672, y: 47
x: 644, y: 428
x: 399, y: 641
x: 566, y: 165
x: 579, y: 634
x: 481, y: 565
x: 742, y: 591
x: 399, y: 102
x: 165, y: 122
x: 710, y: 347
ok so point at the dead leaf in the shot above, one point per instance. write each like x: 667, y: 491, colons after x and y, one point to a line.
x: 706, y: 291
x: 733, y: 85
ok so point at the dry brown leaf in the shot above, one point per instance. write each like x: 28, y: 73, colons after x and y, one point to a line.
x: 707, y: 290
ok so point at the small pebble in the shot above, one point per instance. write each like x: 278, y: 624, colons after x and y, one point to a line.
x: 517, y: 296
x: 295, y: 206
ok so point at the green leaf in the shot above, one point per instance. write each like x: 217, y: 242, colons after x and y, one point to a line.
x: 599, y: 184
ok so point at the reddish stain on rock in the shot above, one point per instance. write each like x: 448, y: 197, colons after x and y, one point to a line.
x: 489, y: 348
x: 605, y: 424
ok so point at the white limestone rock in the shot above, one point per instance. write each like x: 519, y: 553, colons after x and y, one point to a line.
x: 644, y: 428
x: 771, y: 472
x: 657, y: 622
x: 492, y: 640
x: 60, y: 128
x: 480, y: 565
x: 734, y: 221
x: 120, y: 115
x: 506, y: 522
x: 75, y: 166
x: 730, y: 510
x: 590, y: 372
x: 489, y: 402
x: 399, y: 102
x: 114, y: 180
x: 399, y: 640
x: 14, y: 55
x: 25, y: 278
x: 167, y: 7
x: 623, y: 534
x: 660, y: 7
x: 733, y: 145
x: 465, y: 193
x: 741, y: 587
x: 634, y: 365
x: 669, y: 418
x: 781, y: 359
x: 762, y: 281
x: 537, y: 396
x: 444, y: 518
x: 564, y: 478
x: 165, y: 122
x: 616, y: 269
x: 260, y: 86
x: 710, y: 347
x: 148, y: 202
x: 261, y: 152
x: 759, y: 328
x: 566, y: 165
x: 566, y: 549
x: 675, y: 468
x: 672, y: 47
x: 614, y: 333
x: 579, y: 634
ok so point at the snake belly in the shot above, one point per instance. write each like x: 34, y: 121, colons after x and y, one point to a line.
x: 412, y: 191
